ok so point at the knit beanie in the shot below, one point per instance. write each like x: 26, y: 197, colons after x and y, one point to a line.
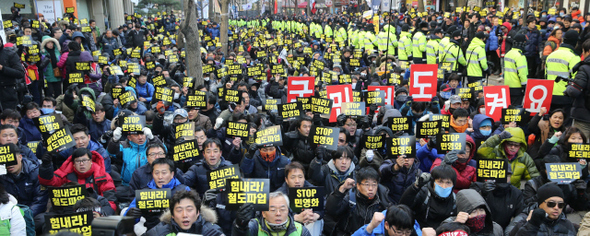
x: 548, y: 190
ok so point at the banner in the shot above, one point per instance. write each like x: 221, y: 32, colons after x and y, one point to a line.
x: 539, y: 93
x: 237, y: 129
x: 450, y: 142
x: 244, y: 191
x: 578, y: 151
x: 127, y: 98
x: 496, y: 98
x: 306, y: 198
x: 133, y: 124
x: 563, y: 173
x: 185, y: 130
x: 494, y: 170
x: 271, y: 105
x: 185, y: 152
x: 339, y: 94
x: 389, y: 93
x: 153, y: 200
x: 322, y: 106
x: 63, y: 197
x: 79, y: 222
x: 375, y: 97
x: 402, y: 145
x: 290, y: 111
x: 217, y: 178
x: 518, y: 115
x: 324, y: 136
x: 373, y: 141
x: 397, y: 124
x: 353, y: 109
x: 423, y: 82
x: 427, y: 128
x: 271, y: 136
x: 299, y: 87
x: 60, y: 140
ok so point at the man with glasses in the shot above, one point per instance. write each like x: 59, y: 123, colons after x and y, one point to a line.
x: 475, y: 214
x: 83, y: 140
x: 143, y: 175
x: 547, y: 219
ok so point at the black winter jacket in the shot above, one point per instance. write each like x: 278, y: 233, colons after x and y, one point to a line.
x: 12, y: 70
x: 580, y: 92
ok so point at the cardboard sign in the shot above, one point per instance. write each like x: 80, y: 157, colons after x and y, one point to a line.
x: 290, y: 111
x: 188, y: 82
x: 271, y: 136
x: 76, y: 77
x: 373, y: 141
x: 79, y: 222
x: 492, y: 170
x: 60, y: 140
x: 164, y: 94
x: 306, y: 198
x: 133, y: 68
x: 133, y: 124
x: 48, y: 124
x: 466, y: 93
x: 397, y: 124
x: 344, y: 79
x: 70, y: 9
x: 496, y: 98
x: 271, y: 105
x: 217, y: 178
x: 153, y: 200
x: 339, y: 94
x: 103, y: 60
x: 445, y: 120
x: 538, y: 95
x: 376, y: 97
x: 237, y: 129
x: 25, y: 40
x: 563, y: 173
x: 127, y: 98
x: 64, y: 197
x: 423, y: 82
x: 186, y: 130
x: 450, y: 142
x: 33, y: 146
x: 254, y: 71
x: 355, y: 62
x: 277, y: 69
x: 235, y: 69
x: 83, y: 66
x: 389, y: 93
x: 305, y: 103
x: 7, y: 156
x: 231, y: 95
x: 518, y: 115
x: 427, y: 128
x: 324, y: 136
x: 403, y: 145
x: 353, y: 108
x: 199, y: 99
x: 578, y: 151
x: 88, y: 103
x: 159, y: 81
x: 299, y: 87
x: 244, y: 191
x: 185, y: 151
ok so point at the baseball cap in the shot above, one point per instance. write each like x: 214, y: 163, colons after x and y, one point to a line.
x: 455, y: 99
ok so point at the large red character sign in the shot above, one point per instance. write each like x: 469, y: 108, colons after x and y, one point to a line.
x: 538, y: 94
x: 299, y: 87
x: 423, y: 82
x: 496, y: 98
x: 339, y: 94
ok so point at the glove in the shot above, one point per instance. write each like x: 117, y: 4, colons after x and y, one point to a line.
x: 537, y: 217
x: 106, y: 137
x: 279, y: 119
x: 422, y: 180
x: 341, y: 119
x: 252, y: 150
x: 134, y: 212
x: 580, y: 185
x: 432, y: 142
x: 244, y: 214
x: 218, y: 123
x: 372, y: 109
x: 160, y: 108
x: 317, y: 119
x: 365, y: 123
x: 489, y: 186
x: 505, y: 135
x: 47, y: 158
x: 370, y: 154
x: 148, y: 133
x: 320, y: 153
x: 409, y: 101
x: 209, y: 196
x: 451, y: 157
x: 117, y: 134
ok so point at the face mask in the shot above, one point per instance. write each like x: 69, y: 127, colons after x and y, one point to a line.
x: 543, y: 15
x: 176, y: 96
x: 442, y: 192
x: 401, y: 98
x: 278, y: 227
x: 440, y: 21
x: 268, y: 156
x: 477, y: 223
x: 353, y: 85
x: 206, y: 78
x: 482, y: 110
x: 561, y: 14
x: 363, y: 74
x: 485, y: 132
x: 162, y: 61
x: 521, y: 12
x: 46, y: 110
x: 446, y: 95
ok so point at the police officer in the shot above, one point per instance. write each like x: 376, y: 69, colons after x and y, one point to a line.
x: 560, y: 63
x: 432, y: 46
x: 369, y: 39
x: 387, y: 41
x: 453, y: 53
x: 419, y: 44
x: 516, y: 69
x: 476, y: 58
x: 405, y: 44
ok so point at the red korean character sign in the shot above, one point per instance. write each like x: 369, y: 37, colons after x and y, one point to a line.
x: 423, y: 82
x: 496, y: 98
x: 339, y: 94
x: 538, y: 95
x: 389, y: 93
x: 299, y: 87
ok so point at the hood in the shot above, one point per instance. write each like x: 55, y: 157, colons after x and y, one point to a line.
x: 206, y: 214
x: 507, y: 25
x: 47, y: 39
x: 517, y: 136
x: 68, y: 166
x: 85, y: 56
x: 469, y: 141
x: 29, y: 166
x: 391, y: 113
x: 477, y: 120
x: 468, y: 200
x: 554, y: 39
x: 334, y: 170
x: 89, y: 91
x: 78, y: 34
x: 476, y: 42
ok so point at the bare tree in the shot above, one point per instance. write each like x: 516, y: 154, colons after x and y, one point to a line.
x: 224, y: 25
x: 189, y: 33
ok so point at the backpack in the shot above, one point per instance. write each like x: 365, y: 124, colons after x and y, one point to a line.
x: 28, y: 216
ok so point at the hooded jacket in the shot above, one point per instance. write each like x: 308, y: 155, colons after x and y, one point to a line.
x: 96, y: 178
x: 92, y: 146
x: 256, y: 167
x: 523, y: 165
x: 429, y: 208
x: 551, y: 45
x: 295, y: 143
x: 467, y: 201
x: 133, y: 156
x: 328, y: 175
x: 196, y: 176
x: 31, y: 131
x: 48, y: 73
x: 504, y: 202
x: 477, y: 136
x: 12, y: 69
x: 206, y: 222
x: 581, y: 105
x: 466, y: 174
x: 506, y: 43
x: 398, y: 181
x: 26, y: 188
x: 560, y: 226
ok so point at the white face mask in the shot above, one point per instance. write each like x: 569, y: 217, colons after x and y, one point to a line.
x: 353, y: 85
x: 176, y: 96
x: 206, y: 78
x: 482, y: 110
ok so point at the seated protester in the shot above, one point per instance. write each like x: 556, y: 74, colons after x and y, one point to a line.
x: 211, y: 111
x: 416, y: 110
x: 275, y: 221
x: 427, y: 154
x: 48, y: 106
x: 547, y: 219
x: 233, y: 147
x: 196, y: 176
x: 458, y: 123
x: 9, y: 134
x: 468, y: 104
x: 336, y: 172
x: 451, y: 105
x: 481, y: 129
x: 98, y: 125
x: 504, y: 200
x: 11, y: 215
x: 91, y: 204
x: 83, y: 140
x: 544, y: 128
x: 475, y: 214
x: 84, y: 167
x: 234, y: 109
x: 374, y: 157
x: 574, y: 193
x: 145, y: 90
x: 401, y: 94
x: 143, y: 175
x: 108, y: 102
x: 186, y: 215
x: 295, y: 178
x: 200, y: 120
x: 342, y: 142
x: 22, y: 182
x: 353, y: 135
x: 135, y: 106
x: 265, y: 162
x: 168, y: 132
x: 459, y: 160
x: 132, y: 152
x: 357, y: 205
x: 296, y: 142
x: 249, y: 109
x: 73, y: 100
x: 398, y: 175
x: 12, y: 117
x: 453, y: 228
x: 432, y: 201
x: 559, y: 145
x: 32, y: 133
x: 511, y: 145
x: 163, y: 177
x: 396, y: 220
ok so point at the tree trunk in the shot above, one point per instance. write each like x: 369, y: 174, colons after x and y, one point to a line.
x: 192, y: 40
x: 211, y: 10
x: 224, y: 25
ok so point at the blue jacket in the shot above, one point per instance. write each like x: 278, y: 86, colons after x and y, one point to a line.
x: 31, y: 131
x: 143, y: 175
x: 26, y: 188
x: 492, y: 41
x: 380, y: 230
x: 92, y: 146
x: 427, y: 157
x: 398, y: 181
x: 28, y: 154
x: 256, y: 167
x: 478, y: 137
x: 145, y: 91
x: 96, y: 130
x: 214, y: 32
x: 196, y: 176
x: 110, y: 44
x: 533, y: 43
x: 133, y: 156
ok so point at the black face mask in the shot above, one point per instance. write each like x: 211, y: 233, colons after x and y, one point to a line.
x: 162, y: 61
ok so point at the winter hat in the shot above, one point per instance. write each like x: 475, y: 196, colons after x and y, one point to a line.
x: 486, y: 122
x: 456, y: 33
x: 548, y: 190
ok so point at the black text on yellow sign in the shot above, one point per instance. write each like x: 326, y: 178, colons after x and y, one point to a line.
x: 237, y: 129
x: 427, y: 128
x: 321, y: 105
x: 373, y: 141
x: 186, y: 151
x: 254, y: 191
x: 324, y: 136
x: 450, y: 142
x: 290, y: 110
x: 48, y: 123
x: 127, y: 98
x: 153, y: 200
x: 7, y: 156
x: 217, y: 178
x: 578, y: 151
x: 403, y: 145
x: 60, y: 140
x: 63, y: 197
x: 564, y: 173
x: 399, y: 123
x: 269, y: 136
x: 494, y: 170
x: 79, y: 222
x: 518, y: 115
x: 353, y: 109
x: 306, y: 198
x: 185, y: 130
x: 83, y: 66
x: 164, y: 94
x: 133, y: 124
x: 76, y: 78
x: 271, y: 104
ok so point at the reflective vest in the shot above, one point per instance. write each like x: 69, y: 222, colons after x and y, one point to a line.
x: 369, y: 41
x: 443, y: 44
x: 560, y: 63
x: 432, y: 51
x: 328, y: 31
x: 515, y: 69
x: 298, y: 229
x: 358, y: 42
x: 476, y: 58
x: 340, y: 35
x: 405, y: 46
x: 418, y: 44
x: 453, y: 54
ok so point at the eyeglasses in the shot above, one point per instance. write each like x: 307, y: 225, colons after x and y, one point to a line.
x: 402, y: 232
x: 281, y: 210
x: 552, y: 204
x: 368, y: 185
x: 160, y: 154
x: 82, y: 161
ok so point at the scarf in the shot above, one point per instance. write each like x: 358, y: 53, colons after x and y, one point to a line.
x: 477, y: 223
x: 459, y: 129
x: 52, y: 57
x: 510, y: 155
x: 278, y: 227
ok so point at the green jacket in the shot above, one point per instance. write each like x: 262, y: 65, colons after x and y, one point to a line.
x: 561, y: 63
x: 418, y: 45
x: 522, y: 165
x: 432, y: 50
x: 453, y: 54
x: 48, y: 73
x: 405, y: 46
x: 476, y: 58
x: 515, y: 69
